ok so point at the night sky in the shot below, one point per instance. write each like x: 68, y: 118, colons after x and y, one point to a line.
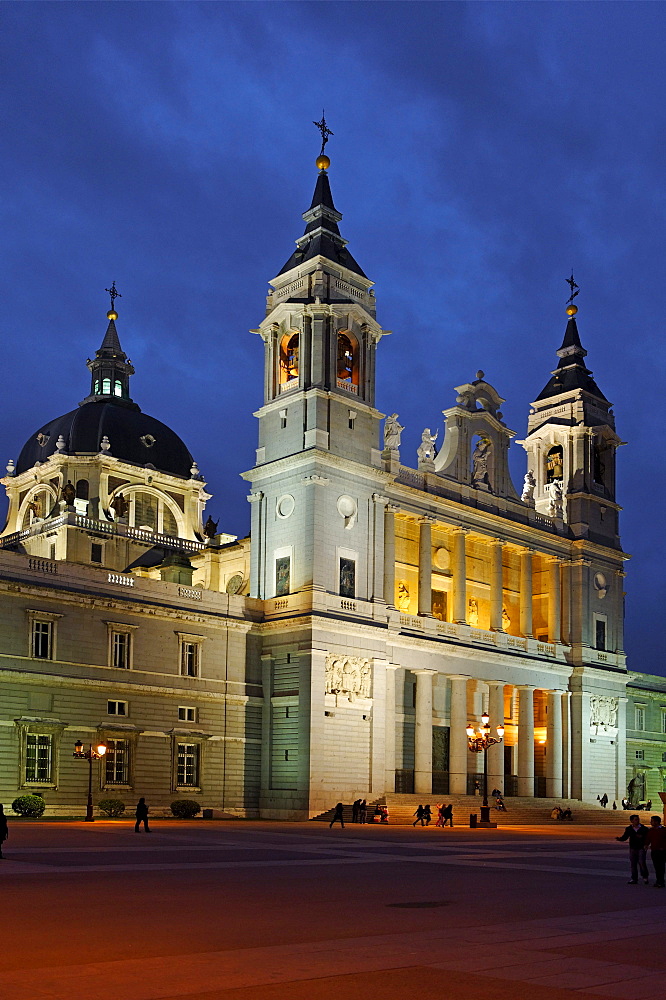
x: 480, y: 152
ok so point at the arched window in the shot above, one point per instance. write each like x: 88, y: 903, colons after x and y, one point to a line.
x: 289, y: 347
x: 554, y: 464
x: 106, y: 387
x: 96, y: 386
x: 82, y: 489
x: 117, y: 388
x: 347, y: 363
x: 39, y: 506
x: 599, y: 465
x: 150, y: 511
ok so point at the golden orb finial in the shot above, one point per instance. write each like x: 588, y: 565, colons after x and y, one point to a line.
x: 112, y: 314
x: 323, y: 162
x: 572, y: 310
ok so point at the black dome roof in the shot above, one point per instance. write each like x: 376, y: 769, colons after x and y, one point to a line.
x: 125, y: 426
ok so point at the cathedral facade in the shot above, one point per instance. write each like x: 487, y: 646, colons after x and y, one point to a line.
x: 374, y: 612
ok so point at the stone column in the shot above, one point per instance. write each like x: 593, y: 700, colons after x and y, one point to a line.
x: 266, y: 712
x: 496, y: 753
x: 425, y: 566
x: 525, y: 740
x: 377, y: 555
x: 580, y: 743
x: 526, y: 592
x: 566, y: 744
x: 389, y: 726
x: 459, y: 577
x: 423, y: 732
x: 257, y: 558
x: 389, y: 555
x: 554, y: 601
x: 554, y: 745
x: 621, y: 751
x: 496, y: 586
x: 458, y: 751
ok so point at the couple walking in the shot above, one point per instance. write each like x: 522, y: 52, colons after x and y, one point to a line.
x: 640, y: 839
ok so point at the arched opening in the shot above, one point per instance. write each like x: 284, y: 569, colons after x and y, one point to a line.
x: 150, y: 511
x: 599, y: 464
x: 289, y: 350
x: 347, y: 362
x: 117, y: 388
x: 82, y: 489
x: 106, y: 387
x: 554, y: 464
x: 38, y: 507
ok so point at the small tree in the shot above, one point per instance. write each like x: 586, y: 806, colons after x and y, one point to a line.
x: 29, y: 805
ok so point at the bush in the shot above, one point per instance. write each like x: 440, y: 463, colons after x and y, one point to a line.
x: 185, y: 808
x: 29, y: 805
x: 112, y: 807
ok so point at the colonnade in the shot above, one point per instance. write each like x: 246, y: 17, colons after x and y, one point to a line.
x: 558, y: 736
x: 459, y: 577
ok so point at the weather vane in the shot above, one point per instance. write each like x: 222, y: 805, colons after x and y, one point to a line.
x: 574, y: 288
x: 114, y: 294
x: 325, y: 131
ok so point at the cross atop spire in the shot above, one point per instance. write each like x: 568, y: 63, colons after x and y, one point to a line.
x: 325, y: 131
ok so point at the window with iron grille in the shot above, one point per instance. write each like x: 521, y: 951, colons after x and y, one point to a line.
x: 187, y: 765
x: 38, y: 757
x: 116, y: 762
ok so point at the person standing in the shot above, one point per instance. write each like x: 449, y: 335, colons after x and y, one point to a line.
x: 356, y: 806
x: 604, y: 800
x: 338, y: 816
x: 363, y: 812
x: 4, y: 831
x: 447, y: 813
x: 419, y: 816
x: 636, y: 834
x: 656, y: 840
x: 141, y: 816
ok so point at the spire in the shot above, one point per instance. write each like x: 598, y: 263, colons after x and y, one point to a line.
x: 322, y: 237
x: 571, y: 372
x: 110, y: 368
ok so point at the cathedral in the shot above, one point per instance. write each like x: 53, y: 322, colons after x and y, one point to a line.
x: 375, y: 611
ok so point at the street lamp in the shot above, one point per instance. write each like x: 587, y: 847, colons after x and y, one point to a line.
x: 91, y: 754
x: 478, y: 741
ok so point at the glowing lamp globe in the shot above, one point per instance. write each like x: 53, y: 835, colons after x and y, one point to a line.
x: 101, y: 749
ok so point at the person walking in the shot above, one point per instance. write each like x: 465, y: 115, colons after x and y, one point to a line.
x: 636, y: 834
x: 656, y: 840
x: 427, y: 815
x: 141, y: 816
x: 338, y: 816
x: 440, y: 818
x: 447, y: 813
x: 4, y: 831
x: 604, y: 800
x: 419, y: 816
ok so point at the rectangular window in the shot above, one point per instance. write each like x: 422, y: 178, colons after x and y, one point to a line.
x: 38, y: 757
x: 283, y: 419
x: 187, y: 713
x: 640, y: 718
x: 600, y: 634
x: 347, y: 577
x: 42, y: 639
x: 663, y: 720
x: 120, y: 649
x: 96, y: 552
x: 189, y: 659
x: 640, y: 755
x: 282, y: 575
x: 116, y: 762
x: 352, y: 418
x: 116, y: 708
x: 187, y: 765
x: 439, y: 605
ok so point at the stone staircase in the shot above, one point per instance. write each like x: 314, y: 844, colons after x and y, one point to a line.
x: 519, y: 811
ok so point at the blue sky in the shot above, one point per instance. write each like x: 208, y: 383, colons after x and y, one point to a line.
x: 480, y: 152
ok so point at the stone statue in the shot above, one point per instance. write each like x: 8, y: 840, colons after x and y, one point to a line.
x: 480, y: 457
x: 472, y: 612
x: 426, y: 451
x: 120, y: 506
x: 403, y: 596
x: 529, y: 485
x: 506, y: 620
x: 392, y: 432
x: 210, y: 527
x: 69, y: 493
x: 636, y: 789
x: 556, y: 505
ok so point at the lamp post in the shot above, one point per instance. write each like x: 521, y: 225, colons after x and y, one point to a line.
x: 478, y: 741
x: 91, y: 754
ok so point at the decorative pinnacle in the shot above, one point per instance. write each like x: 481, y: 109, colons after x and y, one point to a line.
x: 112, y: 314
x: 571, y: 308
x: 325, y: 131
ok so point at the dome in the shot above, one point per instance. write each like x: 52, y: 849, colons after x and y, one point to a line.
x: 134, y: 437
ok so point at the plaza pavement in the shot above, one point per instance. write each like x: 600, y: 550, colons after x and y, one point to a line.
x: 229, y: 911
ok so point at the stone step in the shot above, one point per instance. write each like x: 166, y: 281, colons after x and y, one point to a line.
x: 520, y: 811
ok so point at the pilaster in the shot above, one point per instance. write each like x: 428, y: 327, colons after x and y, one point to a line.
x: 457, y: 735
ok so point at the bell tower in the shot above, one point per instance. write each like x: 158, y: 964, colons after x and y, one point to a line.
x: 571, y: 444
x: 320, y: 336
